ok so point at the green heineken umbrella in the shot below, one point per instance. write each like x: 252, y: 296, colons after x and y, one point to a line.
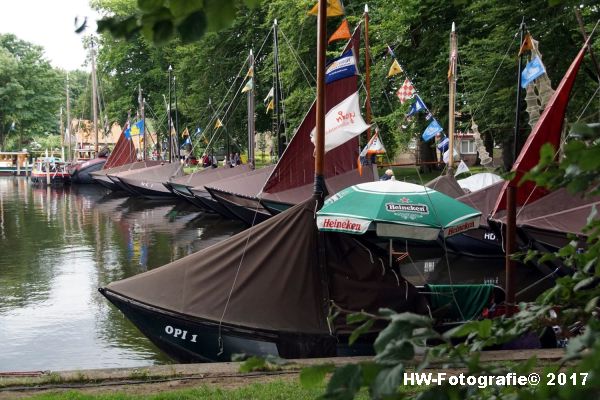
x: 396, y: 210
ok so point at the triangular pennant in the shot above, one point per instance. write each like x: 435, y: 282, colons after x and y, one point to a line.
x: 527, y: 44
x: 249, y: 86
x: 394, y: 69
x: 185, y: 133
x: 269, y: 95
x: 341, y: 33
x: 271, y: 105
x: 218, y: 124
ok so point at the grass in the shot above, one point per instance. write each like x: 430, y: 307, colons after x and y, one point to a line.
x: 260, y: 391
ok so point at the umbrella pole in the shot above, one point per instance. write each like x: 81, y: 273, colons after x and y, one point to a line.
x: 391, y: 251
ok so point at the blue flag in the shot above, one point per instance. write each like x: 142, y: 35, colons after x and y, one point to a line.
x: 127, y: 132
x: 533, y: 70
x: 433, y: 128
x: 416, y: 106
x: 341, y: 67
x: 137, y: 128
x: 187, y: 141
x: 443, y: 145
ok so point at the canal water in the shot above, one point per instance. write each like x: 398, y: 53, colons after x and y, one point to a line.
x: 58, y: 245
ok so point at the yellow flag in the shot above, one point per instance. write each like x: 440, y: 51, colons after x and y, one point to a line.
x: 334, y: 8
x: 218, y: 124
x: 250, y: 72
x: 185, y: 133
x: 248, y: 86
x: 394, y: 69
x: 271, y: 105
x: 527, y: 44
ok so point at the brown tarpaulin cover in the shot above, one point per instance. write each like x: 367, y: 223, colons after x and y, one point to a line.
x: 156, y: 173
x: 209, y: 175
x: 278, y: 286
x: 483, y: 200
x: 446, y: 184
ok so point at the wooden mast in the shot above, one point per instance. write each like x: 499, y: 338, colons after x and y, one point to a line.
x: 368, y: 72
x: 452, y: 97
x: 94, y: 99
x: 68, y: 125
x: 276, y: 94
x: 319, y: 188
x: 250, y: 98
x: 511, y: 199
x: 169, y: 118
x: 143, y: 117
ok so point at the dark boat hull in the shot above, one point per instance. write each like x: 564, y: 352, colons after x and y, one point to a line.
x: 122, y: 186
x: 148, y: 189
x: 478, y: 243
x: 183, y: 192
x: 81, y: 173
x: 188, y: 339
x: 209, y: 204
x: 248, y: 210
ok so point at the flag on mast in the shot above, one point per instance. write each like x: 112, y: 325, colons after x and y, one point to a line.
x: 334, y: 8
x: 395, y: 69
x: 342, y: 123
x: 374, y: 146
x: 218, y: 124
x: 341, y: 33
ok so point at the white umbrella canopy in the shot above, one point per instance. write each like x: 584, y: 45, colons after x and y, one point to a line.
x: 396, y: 210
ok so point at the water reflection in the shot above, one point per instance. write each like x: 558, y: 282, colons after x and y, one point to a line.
x: 58, y: 245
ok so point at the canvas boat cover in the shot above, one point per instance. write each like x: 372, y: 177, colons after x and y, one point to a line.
x: 125, y: 167
x: 479, y: 181
x: 483, y: 200
x: 209, y: 175
x: 155, y: 173
x: 244, y: 185
x: 559, y: 211
x: 446, y: 184
x: 334, y: 185
x: 270, y: 277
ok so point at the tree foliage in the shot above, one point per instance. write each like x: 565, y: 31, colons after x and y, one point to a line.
x: 417, y: 31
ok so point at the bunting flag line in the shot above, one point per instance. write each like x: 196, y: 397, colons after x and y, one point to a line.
x: 341, y: 67
x: 250, y: 73
x: 527, y: 44
x: 218, y: 124
x: 334, y: 8
x: 433, y: 128
x: 374, y: 146
x: 534, y: 69
x: 185, y: 133
x: 342, y: 123
x: 271, y: 105
x: 394, y: 69
x: 249, y: 86
x: 341, y: 33
x: 390, y: 51
x: 406, y: 91
x: 443, y: 145
x: 269, y: 95
x: 416, y: 106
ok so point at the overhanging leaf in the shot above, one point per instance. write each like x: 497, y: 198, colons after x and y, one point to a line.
x: 315, y: 374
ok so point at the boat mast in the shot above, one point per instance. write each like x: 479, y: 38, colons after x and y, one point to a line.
x: 94, y: 98
x: 319, y: 187
x: 368, y: 71
x: 143, y: 117
x: 250, y: 97
x: 169, y: 119
x: 276, y: 96
x: 511, y: 199
x: 176, y: 138
x: 451, y: 97
x: 68, y: 125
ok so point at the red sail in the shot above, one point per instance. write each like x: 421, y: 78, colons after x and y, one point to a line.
x: 297, y: 165
x: 547, y: 130
x: 123, y: 153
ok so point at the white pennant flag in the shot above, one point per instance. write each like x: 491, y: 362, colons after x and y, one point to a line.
x: 375, y: 146
x: 342, y: 123
x: 462, y: 167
